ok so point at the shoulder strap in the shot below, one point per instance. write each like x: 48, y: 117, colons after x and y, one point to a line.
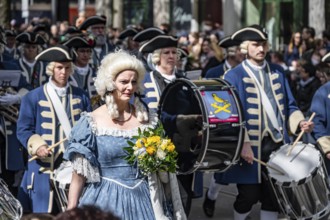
x: 265, y: 100
x: 59, y: 109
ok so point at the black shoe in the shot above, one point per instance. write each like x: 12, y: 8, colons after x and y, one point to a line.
x: 208, y: 206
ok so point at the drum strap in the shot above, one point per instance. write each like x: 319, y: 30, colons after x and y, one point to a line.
x: 265, y: 101
x: 59, y: 109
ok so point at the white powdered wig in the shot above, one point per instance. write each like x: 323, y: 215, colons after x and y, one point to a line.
x: 111, y: 66
x: 50, y: 68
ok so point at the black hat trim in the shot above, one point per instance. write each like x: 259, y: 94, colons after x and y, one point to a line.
x: 78, y: 42
x: 228, y: 42
x: 67, y: 57
x: 326, y: 58
x: 26, y: 37
x: 92, y: 21
x: 173, y: 42
x: 143, y: 36
x: 129, y: 32
x: 262, y: 35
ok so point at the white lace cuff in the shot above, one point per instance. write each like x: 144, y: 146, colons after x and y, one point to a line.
x: 83, y: 167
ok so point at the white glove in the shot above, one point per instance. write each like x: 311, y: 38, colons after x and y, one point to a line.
x: 10, y: 99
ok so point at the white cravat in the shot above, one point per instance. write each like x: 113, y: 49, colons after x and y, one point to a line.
x: 82, y: 70
x: 31, y: 65
x: 166, y: 76
x: 60, y: 91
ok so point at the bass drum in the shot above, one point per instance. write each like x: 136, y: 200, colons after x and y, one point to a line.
x: 217, y: 144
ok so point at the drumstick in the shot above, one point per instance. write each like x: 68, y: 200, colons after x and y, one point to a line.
x: 50, y: 148
x: 299, y: 136
x: 267, y: 165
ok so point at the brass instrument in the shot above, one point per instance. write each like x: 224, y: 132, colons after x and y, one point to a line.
x: 9, y: 112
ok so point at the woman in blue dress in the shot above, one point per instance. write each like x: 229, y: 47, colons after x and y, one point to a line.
x: 101, y: 176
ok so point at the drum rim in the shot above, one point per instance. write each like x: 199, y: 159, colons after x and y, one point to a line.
x: 205, y: 121
x: 192, y: 85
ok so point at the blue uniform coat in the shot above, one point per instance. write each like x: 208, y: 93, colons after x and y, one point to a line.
x: 37, y: 116
x: 252, y: 107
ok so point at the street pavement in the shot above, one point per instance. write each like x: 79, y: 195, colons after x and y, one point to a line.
x: 224, y: 204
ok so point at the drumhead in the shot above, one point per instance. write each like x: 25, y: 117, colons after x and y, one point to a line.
x: 296, y: 167
x: 218, y: 140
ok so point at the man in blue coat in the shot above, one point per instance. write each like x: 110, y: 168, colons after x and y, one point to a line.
x: 96, y: 27
x: 46, y: 116
x: 320, y: 105
x: 270, y: 112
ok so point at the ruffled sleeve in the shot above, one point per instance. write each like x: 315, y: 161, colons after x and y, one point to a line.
x: 81, y: 149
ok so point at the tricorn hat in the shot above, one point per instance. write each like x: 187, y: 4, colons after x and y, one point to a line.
x: 41, y: 27
x: 92, y: 21
x: 30, y: 38
x: 129, y: 32
x: 10, y: 33
x: 79, y: 42
x: 182, y: 53
x: 158, y: 42
x: 228, y: 42
x: 148, y: 34
x: 59, y: 53
x: 252, y: 33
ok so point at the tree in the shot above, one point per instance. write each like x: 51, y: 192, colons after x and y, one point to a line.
x: 5, y: 13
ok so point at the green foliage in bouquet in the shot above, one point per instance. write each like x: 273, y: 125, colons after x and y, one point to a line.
x: 152, y: 151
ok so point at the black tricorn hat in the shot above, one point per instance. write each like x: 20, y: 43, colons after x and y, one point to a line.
x: 326, y: 58
x: 30, y: 38
x: 41, y: 27
x: 129, y: 32
x: 10, y: 33
x: 92, y: 21
x: 158, y: 42
x: 72, y: 30
x: 148, y: 34
x: 228, y: 42
x: 182, y: 53
x: 79, y: 42
x: 254, y: 33
x: 58, y: 53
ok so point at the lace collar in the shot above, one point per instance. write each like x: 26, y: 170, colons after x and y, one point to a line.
x: 99, y: 131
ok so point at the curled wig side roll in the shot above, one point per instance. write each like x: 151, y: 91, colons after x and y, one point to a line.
x: 141, y: 111
x: 111, y: 106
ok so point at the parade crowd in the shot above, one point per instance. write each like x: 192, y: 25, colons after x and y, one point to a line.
x: 73, y: 95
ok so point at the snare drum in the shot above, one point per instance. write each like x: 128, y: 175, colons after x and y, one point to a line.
x: 61, y: 183
x: 302, y: 190
x: 218, y: 143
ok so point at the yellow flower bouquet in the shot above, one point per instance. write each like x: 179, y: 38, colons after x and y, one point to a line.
x: 152, y: 151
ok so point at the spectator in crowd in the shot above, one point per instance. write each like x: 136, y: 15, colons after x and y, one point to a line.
x: 194, y: 49
x: 294, y: 50
x: 322, y: 72
x: 306, y: 87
